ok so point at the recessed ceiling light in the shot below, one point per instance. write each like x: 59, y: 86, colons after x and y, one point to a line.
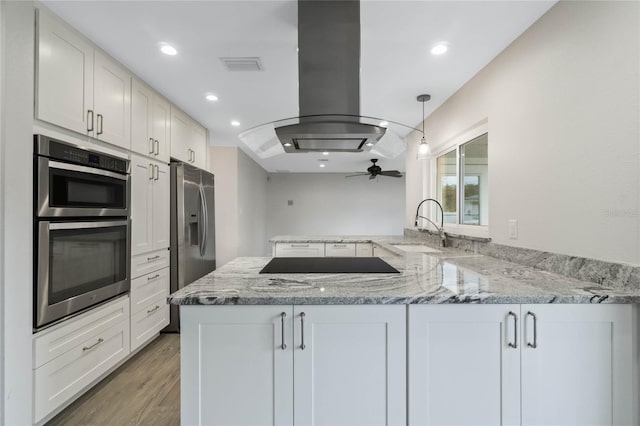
x: 323, y: 165
x: 168, y: 50
x: 439, y: 49
x: 235, y: 123
x: 287, y: 144
x: 325, y: 153
x: 369, y: 144
x: 384, y: 123
x: 211, y: 97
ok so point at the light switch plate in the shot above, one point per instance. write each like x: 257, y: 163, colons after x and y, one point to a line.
x: 513, y: 229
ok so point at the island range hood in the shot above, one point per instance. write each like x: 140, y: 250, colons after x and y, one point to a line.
x: 329, y: 82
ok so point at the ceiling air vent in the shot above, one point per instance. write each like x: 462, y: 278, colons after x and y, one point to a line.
x: 242, y: 64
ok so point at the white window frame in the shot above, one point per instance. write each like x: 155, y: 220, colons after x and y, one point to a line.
x: 453, y: 144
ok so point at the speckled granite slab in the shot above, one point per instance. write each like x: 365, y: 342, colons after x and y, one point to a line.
x: 449, y: 277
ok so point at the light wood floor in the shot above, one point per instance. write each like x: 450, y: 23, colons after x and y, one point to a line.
x: 143, y: 391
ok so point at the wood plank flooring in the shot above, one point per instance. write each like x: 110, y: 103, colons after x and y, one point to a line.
x: 143, y: 391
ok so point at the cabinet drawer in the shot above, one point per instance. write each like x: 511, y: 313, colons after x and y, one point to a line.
x: 364, y: 249
x: 340, y: 249
x: 61, y: 338
x: 146, y: 263
x: 152, y: 318
x: 147, y: 288
x: 62, y: 378
x: 299, y: 249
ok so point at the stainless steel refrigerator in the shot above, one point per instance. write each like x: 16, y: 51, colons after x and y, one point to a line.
x: 192, y: 229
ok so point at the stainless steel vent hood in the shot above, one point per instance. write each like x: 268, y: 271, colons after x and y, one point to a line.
x: 329, y: 82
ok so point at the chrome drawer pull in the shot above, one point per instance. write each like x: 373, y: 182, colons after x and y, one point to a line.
x: 149, y: 259
x: 283, y: 315
x: 299, y: 245
x: 150, y: 311
x: 535, y: 331
x: 514, y: 345
x: 339, y: 245
x: 88, y: 348
x: 302, y: 345
x: 153, y: 277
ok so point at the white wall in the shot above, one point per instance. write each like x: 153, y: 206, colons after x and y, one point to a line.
x: 330, y: 204
x: 252, y: 207
x: 16, y: 143
x: 563, y: 110
x: 240, y: 196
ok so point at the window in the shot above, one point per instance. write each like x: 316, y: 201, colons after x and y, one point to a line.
x: 465, y: 167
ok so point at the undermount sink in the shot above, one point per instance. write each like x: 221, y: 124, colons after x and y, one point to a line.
x: 416, y: 248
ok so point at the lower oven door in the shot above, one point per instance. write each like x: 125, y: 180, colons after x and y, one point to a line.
x: 79, y: 264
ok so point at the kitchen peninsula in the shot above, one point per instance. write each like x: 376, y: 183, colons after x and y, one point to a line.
x: 510, y: 344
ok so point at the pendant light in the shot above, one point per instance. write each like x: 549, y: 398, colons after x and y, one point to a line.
x: 423, y: 148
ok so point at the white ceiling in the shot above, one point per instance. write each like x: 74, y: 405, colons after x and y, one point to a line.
x: 395, y: 59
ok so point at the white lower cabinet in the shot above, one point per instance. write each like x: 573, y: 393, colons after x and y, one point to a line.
x: 238, y: 365
x: 299, y: 250
x: 340, y: 249
x: 364, y: 249
x: 149, y: 308
x: 91, y: 344
x: 522, y: 364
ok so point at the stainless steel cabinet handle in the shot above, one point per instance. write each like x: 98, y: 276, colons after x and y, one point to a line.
x: 339, y: 245
x: 535, y: 330
x: 299, y: 245
x: 149, y: 259
x: 88, y: 348
x: 302, y: 345
x: 100, y: 123
x: 157, y: 172
x: 283, y: 315
x: 153, y: 277
x: 151, y: 145
x: 89, y: 120
x: 150, y: 311
x: 156, y: 150
x: 514, y: 345
x: 151, y: 170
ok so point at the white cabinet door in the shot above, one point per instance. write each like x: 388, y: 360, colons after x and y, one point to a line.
x: 161, y: 127
x: 198, y: 144
x: 234, y: 370
x: 112, y: 101
x: 379, y: 251
x: 364, y: 249
x: 350, y: 365
x: 142, y: 140
x: 180, y: 135
x: 161, y: 208
x: 142, y: 172
x: 64, y: 76
x: 579, y: 371
x: 462, y: 370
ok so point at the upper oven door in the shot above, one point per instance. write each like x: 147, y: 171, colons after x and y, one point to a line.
x: 66, y: 190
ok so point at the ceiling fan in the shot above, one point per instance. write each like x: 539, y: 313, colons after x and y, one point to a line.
x: 375, y: 170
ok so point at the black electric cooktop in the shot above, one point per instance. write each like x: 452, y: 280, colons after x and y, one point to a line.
x: 328, y: 265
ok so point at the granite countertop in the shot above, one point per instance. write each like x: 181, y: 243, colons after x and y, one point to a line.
x: 449, y: 276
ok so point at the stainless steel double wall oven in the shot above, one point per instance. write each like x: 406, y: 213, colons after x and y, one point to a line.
x: 81, y: 229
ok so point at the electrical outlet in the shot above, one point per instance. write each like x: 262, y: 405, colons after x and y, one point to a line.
x: 289, y: 202
x: 513, y: 229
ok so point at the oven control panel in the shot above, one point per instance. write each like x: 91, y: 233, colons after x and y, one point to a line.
x: 62, y: 151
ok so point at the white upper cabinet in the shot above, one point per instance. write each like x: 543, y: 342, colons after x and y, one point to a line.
x: 79, y: 87
x: 180, y: 135
x: 198, y: 144
x: 188, y: 139
x: 64, y: 76
x: 112, y: 101
x: 150, y: 122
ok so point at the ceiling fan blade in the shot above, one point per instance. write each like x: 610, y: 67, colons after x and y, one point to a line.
x: 372, y: 177
x: 357, y: 174
x: 391, y: 173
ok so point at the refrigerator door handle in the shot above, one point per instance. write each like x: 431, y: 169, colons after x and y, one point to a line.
x: 202, y: 220
x: 206, y: 221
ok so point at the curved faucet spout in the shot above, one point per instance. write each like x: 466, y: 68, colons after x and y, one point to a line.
x: 439, y: 228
